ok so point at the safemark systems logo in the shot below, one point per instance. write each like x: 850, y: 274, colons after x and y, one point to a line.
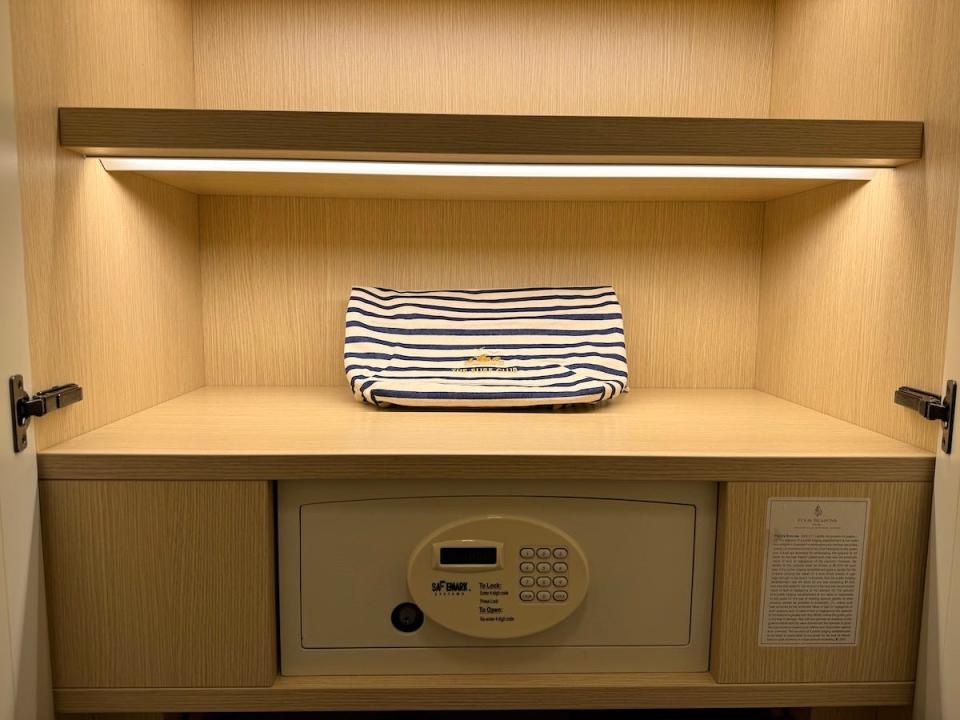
x: 445, y: 587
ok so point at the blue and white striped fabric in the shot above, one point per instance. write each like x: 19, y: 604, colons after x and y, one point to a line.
x: 525, y: 347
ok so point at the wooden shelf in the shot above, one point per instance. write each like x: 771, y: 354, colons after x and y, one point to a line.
x: 490, y: 692
x: 283, y: 433
x: 488, y: 138
x: 116, y: 132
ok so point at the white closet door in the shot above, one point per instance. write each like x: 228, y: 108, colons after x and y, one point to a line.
x: 24, y: 656
x: 938, y: 673
x: 947, y: 488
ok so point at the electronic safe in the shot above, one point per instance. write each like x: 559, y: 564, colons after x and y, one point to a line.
x: 447, y: 577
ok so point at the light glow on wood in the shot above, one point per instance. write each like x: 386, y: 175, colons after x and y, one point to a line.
x: 505, y: 170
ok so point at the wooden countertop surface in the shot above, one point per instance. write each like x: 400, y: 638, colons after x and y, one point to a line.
x: 284, y: 432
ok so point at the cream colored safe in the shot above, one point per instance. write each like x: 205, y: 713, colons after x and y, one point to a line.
x: 459, y: 577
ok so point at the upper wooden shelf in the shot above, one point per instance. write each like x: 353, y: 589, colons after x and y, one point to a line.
x: 280, y: 433
x: 488, y: 138
x: 515, y: 139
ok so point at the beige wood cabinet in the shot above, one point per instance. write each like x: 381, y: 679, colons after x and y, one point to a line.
x: 769, y: 315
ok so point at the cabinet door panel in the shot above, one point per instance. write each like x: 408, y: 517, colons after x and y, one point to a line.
x: 160, y: 584
x: 891, y: 596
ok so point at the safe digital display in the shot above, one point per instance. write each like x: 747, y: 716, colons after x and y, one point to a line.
x: 468, y: 556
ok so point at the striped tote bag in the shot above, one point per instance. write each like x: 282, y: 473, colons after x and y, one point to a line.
x: 524, y: 347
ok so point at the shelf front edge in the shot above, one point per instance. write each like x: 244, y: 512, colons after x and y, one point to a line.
x: 485, y: 692
x: 514, y: 138
x: 494, y: 468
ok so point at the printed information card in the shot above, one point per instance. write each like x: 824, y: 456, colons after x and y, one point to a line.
x: 813, y: 571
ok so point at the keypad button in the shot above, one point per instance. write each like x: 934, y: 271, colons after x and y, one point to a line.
x: 526, y: 553
x: 543, y: 553
x: 560, y: 595
x: 560, y: 567
x: 526, y: 596
x: 543, y: 567
x: 543, y: 581
x: 560, y: 581
x: 526, y: 581
x: 526, y: 567
x: 560, y: 553
x: 543, y: 596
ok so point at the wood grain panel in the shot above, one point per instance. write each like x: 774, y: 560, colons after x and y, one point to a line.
x: 585, y: 138
x: 663, y: 57
x: 490, y: 692
x: 160, y: 584
x: 253, y: 433
x: 892, y: 595
x: 850, y: 304
x: 839, y: 59
x: 277, y: 274
x: 855, y: 279
x: 112, y: 264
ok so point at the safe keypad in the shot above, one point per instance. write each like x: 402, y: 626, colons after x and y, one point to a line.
x: 543, y: 567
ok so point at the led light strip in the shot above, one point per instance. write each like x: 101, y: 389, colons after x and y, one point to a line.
x: 492, y: 170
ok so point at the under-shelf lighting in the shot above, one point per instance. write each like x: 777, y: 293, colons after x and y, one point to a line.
x: 489, y: 170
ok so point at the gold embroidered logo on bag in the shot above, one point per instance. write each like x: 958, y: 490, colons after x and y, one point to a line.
x: 483, y: 359
x: 481, y: 362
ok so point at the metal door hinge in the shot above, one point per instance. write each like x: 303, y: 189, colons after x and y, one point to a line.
x: 933, y: 407
x: 23, y: 407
